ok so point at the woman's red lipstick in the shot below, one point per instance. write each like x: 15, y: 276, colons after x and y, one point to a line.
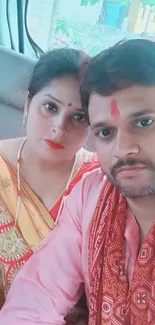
x: 54, y: 145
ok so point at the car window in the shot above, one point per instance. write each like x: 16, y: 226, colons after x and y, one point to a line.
x: 91, y: 25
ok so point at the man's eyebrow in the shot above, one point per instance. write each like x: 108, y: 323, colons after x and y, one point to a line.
x: 132, y: 115
x: 99, y: 125
x: 142, y: 112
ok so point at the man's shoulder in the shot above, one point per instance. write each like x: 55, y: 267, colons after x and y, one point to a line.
x: 92, y: 183
x: 95, y: 177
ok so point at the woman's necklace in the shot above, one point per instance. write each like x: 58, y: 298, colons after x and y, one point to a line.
x: 19, y: 183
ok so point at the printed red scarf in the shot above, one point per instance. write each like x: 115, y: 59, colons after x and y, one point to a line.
x: 113, y: 300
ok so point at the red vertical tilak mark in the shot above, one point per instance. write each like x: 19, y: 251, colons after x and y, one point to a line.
x: 114, y: 108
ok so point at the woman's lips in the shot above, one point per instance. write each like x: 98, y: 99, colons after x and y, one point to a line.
x: 54, y: 145
x: 129, y: 171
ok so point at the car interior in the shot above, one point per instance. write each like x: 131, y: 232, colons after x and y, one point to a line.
x: 15, y: 73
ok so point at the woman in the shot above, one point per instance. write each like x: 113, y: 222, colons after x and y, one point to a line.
x: 37, y: 171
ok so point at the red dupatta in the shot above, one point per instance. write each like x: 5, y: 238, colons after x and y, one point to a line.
x: 113, y: 300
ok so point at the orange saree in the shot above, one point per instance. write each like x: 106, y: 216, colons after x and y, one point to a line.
x: 34, y: 222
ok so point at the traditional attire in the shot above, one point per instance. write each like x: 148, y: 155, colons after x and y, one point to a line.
x: 34, y: 221
x: 96, y: 245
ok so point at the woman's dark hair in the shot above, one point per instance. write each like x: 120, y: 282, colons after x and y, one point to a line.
x: 54, y: 64
x: 121, y: 66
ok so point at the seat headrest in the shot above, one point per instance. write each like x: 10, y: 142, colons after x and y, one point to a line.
x: 15, y: 73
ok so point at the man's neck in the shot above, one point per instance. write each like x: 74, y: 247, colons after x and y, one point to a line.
x: 143, y: 210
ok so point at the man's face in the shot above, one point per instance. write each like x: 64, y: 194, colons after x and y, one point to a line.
x: 123, y: 127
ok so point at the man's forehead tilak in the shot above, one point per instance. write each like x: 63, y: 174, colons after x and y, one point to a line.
x: 114, y: 108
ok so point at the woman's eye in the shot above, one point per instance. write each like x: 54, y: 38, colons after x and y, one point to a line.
x: 50, y: 106
x: 79, y: 117
x: 144, y: 123
x: 104, y: 133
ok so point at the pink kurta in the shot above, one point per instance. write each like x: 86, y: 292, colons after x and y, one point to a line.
x: 52, y: 281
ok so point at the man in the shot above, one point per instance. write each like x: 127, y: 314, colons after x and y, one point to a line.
x: 105, y: 237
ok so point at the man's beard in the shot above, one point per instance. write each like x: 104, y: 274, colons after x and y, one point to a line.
x: 134, y: 192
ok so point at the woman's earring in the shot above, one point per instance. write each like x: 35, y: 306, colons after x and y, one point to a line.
x: 25, y: 118
x: 25, y: 122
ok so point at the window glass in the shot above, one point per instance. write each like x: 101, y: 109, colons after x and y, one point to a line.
x: 91, y: 25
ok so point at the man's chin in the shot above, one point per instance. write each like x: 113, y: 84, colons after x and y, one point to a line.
x: 130, y: 190
x: 135, y: 193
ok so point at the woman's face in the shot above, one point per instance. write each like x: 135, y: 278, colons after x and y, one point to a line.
x: 56, y: 127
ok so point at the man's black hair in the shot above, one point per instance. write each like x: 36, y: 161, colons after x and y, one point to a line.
x: 125, y: 64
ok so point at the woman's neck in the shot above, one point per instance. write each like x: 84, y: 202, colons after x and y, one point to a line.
x: 42, y: 175
x: 40, y: 163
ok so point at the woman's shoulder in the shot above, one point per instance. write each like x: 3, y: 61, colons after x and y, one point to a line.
x: 9, y: 149
x: 90, y: 157
x: 89, y: 162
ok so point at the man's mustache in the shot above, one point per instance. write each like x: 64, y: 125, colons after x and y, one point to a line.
x: 130, y: 162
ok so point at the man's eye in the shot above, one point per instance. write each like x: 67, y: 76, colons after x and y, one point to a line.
x: 104, y: 133
x: 50, y: 106
x: 144, y: 123
x: 79, y: 117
